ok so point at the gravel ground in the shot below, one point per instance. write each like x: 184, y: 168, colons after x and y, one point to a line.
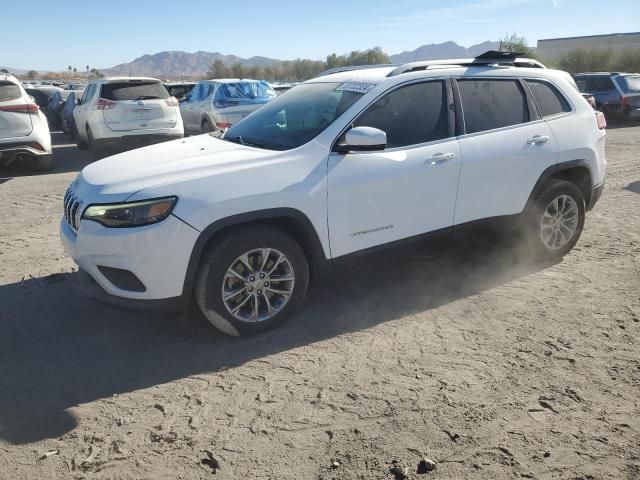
x: 468, y: 354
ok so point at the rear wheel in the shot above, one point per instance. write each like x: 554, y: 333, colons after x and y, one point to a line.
x: 82, y: 145
x: 207, y: 127
x: 251, y: 280
x: 96, y: 153
x: 555, y: 220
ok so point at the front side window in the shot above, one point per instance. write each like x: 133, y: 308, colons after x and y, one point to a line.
x: 295, y: 118
x: 547, y: 98
x: 410, y: 115
x: 489, y: 104
x: 599, y: 84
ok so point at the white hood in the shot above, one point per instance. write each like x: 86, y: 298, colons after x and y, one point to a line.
x: 118, y: 177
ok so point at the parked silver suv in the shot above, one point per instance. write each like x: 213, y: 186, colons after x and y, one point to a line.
x: 215, y: 105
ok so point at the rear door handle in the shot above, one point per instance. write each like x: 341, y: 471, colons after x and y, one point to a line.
x: 440, y: 157
x: 538, y: 139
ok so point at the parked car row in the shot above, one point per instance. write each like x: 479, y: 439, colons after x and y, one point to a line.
x: 615, y: 94
x: 24, y: 132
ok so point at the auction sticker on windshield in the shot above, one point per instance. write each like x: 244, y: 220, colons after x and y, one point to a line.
x: 358, y: 87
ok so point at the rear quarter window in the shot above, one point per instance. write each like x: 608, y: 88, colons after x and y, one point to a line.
x: 133, y: 91
x: 548, y: 99
x: 9, y: 91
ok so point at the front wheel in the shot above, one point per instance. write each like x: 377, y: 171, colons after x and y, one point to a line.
x: 555, y: 220
x: 207, y: 127
x: 251, y: 280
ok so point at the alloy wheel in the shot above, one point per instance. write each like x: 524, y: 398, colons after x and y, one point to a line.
x: 559, y: 222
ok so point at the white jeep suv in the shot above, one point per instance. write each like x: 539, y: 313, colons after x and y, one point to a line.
x: 342, y: 163
x: 24, y: 131
x: 122, y: 113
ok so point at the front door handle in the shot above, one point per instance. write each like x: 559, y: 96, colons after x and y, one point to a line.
x: 538, y: 139
x: 440, y: 157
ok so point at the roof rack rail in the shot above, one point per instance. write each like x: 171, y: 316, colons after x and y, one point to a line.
x: 351, y: 68
x: 488, y: 58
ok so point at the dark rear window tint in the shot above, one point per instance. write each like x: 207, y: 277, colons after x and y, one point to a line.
x: 134, y: 91
x: 594, y: 84
x: 549, y: 100
x: 489, y: 104
x: 9, y: 91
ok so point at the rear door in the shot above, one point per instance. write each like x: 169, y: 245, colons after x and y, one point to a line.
x: 187, y: 109
x: 505, y: 148
x: 137, y: 105
x: 15, y: 111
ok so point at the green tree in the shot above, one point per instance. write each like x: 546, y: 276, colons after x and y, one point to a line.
x: 218, y: 70
x: 628, y: 61
x: 31, y: 74
x: 583, y: 60
x: 514, y: 43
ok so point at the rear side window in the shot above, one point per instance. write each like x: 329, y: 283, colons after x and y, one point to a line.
x: 597, y: 84
x: 410, y: 115
x: 549, y: 100
x: 9, y: 91
x: 489, y: 104
x: 134, y: 91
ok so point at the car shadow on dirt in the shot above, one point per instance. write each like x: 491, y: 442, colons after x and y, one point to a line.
x: 66, y: 158
x: 59, y: 349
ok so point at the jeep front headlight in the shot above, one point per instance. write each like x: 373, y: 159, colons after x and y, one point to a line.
x: 133, y: 214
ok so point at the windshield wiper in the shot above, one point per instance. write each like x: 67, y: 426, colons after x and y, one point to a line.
x: 243, y: 141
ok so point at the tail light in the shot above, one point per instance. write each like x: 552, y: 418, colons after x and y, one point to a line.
x: 104, y: 104
x: 37, y: 146
x: 223, y: 125
x: 624, y: 102
x: 22, y: 108
x: 172, y: 102
x: 602, y: 121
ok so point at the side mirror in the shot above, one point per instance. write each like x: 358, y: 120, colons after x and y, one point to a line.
x: 363, y: 139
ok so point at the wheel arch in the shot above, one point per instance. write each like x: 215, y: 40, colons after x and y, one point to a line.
x: 289, y: 220
x: 576, y: 171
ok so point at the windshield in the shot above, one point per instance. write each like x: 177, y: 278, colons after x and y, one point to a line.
x: 295, y: 117
x: 630, y: 84
x: 246, y: 91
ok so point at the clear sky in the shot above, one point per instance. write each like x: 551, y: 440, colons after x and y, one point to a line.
x: 49, y: 35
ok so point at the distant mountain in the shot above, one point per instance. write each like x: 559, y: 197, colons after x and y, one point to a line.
x: 176, y: 63
x: 14, y: 71
x: 440, y: 51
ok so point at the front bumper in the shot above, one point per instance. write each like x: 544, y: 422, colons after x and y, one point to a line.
x: 158, y: 256
x: 113, y: 145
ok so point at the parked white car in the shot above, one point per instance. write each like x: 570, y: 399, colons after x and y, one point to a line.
x: 215, y: 105
x: 122, y: 113
x: 24, y: 132
x: 340, y: 164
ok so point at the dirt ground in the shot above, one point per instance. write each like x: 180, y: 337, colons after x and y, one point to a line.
x: 468, y: 354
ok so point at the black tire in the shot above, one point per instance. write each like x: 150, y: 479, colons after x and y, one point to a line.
x: 206, y: 127
x: 223, y: 253
x: 82, y: 145
x: 534, y: 215
x: 96, y: 153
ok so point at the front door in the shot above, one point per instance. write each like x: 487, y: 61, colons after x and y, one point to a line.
x: 405, y: 190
